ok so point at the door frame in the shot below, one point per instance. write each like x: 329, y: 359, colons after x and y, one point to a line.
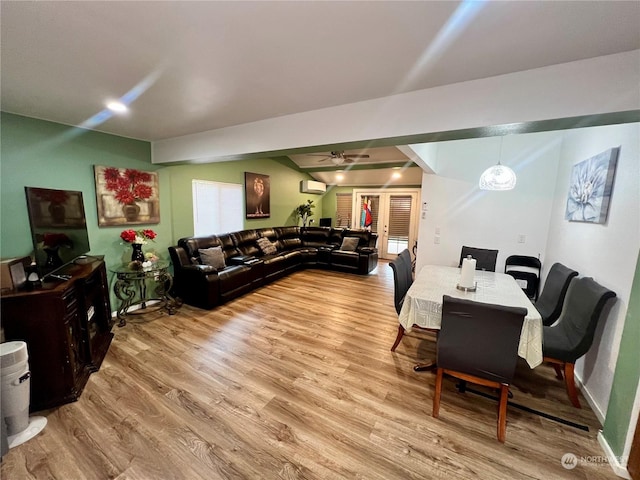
x: 384, y: 193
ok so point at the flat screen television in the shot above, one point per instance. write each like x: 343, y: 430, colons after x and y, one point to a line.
x: 58, y: 226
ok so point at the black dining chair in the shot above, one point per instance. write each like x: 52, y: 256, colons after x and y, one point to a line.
x: 485, y: 258
x: 402, y: 280
x: 530, y: 277
x: 478, y: 343
x: 406, y: 256
x: 550, y: 301
x: 572, y: 337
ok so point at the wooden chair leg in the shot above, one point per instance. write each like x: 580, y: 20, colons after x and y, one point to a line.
x: 502, y: 412
x: 558, y: 370
x: 436, y: 395
x: 571, y: 384
x: 398, y: 337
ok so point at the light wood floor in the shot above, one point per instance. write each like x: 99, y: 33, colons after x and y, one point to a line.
x: 296, y: 380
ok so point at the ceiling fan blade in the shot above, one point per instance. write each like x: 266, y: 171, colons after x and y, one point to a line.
x: 323, y: 159
x: 316, y: 155
x: 348, y: 160
x: 356, y: 155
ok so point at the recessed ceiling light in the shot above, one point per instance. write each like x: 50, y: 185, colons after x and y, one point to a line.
x: 339, y: 176
x: 116, y: 106
x: 396, y: 175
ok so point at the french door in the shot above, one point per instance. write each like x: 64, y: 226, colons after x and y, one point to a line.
x: 390, y: 214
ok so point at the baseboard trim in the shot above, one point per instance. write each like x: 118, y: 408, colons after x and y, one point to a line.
x: 133, y: 308
x: 585, y: 392
x: 619, y: 469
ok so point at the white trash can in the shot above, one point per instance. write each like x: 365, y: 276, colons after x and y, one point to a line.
x: 15, y: 379
x: 14, y: 370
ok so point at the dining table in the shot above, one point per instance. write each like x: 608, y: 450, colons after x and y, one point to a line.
x: 422, y: 305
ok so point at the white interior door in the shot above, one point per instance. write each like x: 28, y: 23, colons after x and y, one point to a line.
x: 393, y: 215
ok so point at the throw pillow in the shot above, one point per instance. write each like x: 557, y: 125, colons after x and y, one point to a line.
x: 266, y: 246
x: 349, y: 244
x: 212, y: 256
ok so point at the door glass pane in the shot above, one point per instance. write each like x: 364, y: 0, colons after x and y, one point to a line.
x: 399, y: 223
x: 369, y: 208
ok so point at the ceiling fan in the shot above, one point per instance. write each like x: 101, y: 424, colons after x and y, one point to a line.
x: 338, y: 157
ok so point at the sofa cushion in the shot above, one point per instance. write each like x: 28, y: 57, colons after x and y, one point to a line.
x: 341, y: 258
x: 349, y: 244
x: 269, y: 233
x: 212, y: 256
x: 289, y: 243
x: 193, y: 244
x: 363, y: 235
x: 266, y: 246
x: 245, y: 242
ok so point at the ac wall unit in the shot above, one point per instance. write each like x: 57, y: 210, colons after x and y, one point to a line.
x: 309, y: 186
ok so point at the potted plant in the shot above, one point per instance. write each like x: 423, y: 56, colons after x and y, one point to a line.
x: 304, y: 211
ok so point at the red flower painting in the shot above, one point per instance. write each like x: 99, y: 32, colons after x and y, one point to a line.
x: 129, y: 186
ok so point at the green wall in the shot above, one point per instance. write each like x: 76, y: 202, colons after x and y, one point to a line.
x: 285, y: 191
x: 38, y: 153
x: 626, y: 376
x: 44, y: 154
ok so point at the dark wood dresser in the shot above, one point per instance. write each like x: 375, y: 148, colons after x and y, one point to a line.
x: 67, y: 328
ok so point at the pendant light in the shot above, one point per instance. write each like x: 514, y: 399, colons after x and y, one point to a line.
x: 498, y: 177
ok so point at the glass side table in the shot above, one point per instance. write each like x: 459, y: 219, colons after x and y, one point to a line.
x: 130, y: 282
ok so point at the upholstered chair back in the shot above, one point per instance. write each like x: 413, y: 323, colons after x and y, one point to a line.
x: 551, y: 300
x: 480, y: 339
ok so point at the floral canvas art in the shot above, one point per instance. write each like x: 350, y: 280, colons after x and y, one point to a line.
x: 591, y: 186
x: 126, y: 196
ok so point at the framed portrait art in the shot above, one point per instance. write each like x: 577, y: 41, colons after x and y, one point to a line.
x: 590, y: 188
x: 257, y: 190
x: 126, y: 196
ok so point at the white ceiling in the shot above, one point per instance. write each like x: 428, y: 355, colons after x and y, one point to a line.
x: 411, y: 176
x: 190, y: 67
x: 379, y: 155
x: 199, y: 66
x: 388, y: 165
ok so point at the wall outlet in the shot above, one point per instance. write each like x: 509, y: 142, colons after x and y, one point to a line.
x: 436, y: 239
x: 424, y: 215
x: 522, y: 238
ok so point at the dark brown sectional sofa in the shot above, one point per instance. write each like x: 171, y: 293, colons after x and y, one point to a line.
x: 248, y: 268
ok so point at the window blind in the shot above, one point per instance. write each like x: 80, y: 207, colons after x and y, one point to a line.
x: 217, y: 207
x: 399, y: 217
x: 343, y: 209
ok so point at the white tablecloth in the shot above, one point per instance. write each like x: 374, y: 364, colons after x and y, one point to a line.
x: 423, y: 303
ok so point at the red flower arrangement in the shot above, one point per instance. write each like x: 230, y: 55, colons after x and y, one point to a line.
x: 130, y: 186
x: 137, y: 236
x: 53, y: 196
